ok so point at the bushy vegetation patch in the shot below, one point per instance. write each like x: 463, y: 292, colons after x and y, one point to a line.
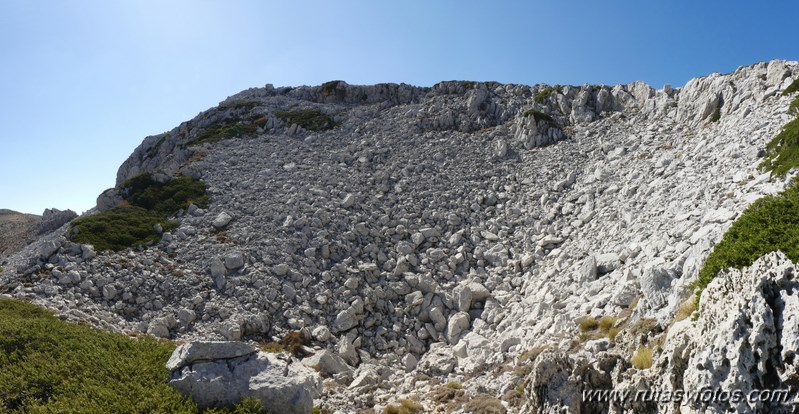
x: 51, y: 366
x: 146, y: 204
x: 119, y: 228
x: 769, y: 224
x: 165, y: 198
x: 539, y: 116
x: 224, y: 129
x: 310, y: 119
x: 793, y: 87
x: 542, y: 96
x: 782, y: 153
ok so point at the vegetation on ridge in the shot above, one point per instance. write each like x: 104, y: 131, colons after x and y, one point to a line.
x: 147, y: 203
x: 539, y: 116
x: 310, y: 119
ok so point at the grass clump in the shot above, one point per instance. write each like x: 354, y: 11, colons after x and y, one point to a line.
x: 606, y: 323
x: 686, y: 309
x: 310, y: 119
x: 484, y: 404
x: 147, y: 203
x: 294, y: 341
x: 769, y: 224
x: 642, y: 358
x: 455, y: 385
x: 539, y: 116
x: 588, y: 324
x: 404, y: 407
x: 54, y: 366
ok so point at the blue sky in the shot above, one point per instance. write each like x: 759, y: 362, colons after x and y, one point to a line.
x: 83, y: 82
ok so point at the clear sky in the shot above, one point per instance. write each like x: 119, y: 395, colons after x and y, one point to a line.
x: 83, y: 82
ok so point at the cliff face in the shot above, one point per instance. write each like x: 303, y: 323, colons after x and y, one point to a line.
x: 467, y: 232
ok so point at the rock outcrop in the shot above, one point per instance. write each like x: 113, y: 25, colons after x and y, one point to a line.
x: 223, y: 374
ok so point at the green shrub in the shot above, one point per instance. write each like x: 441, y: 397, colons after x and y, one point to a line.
x: 119, y: 228
x: 51, y: 366
x: 542, y: 96
x: 539, y: 116
x: 310, y: 119
x: 769, y: 224
x: 147, y: 203
x: 793, y: 87
x: 166, y: 198
x: 782, y: 153
x: 716, y: 114
x: 224, y: 129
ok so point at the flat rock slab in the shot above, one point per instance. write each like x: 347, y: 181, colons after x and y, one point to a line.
x: 207, y: 351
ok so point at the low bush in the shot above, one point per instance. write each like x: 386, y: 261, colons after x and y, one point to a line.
x: 782, y: 153
x: 119, y: 228
x: 793, y: 87
x: 539, y: 116
x: 542, y: 96
x: 146, y: 204
x: 310, y: 119
x: 54, y: 366
x: 224, y: 129
x: 165, y: 198
x: 769, y: 224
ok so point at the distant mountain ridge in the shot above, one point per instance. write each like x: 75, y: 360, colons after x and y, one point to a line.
x: 16, y: 230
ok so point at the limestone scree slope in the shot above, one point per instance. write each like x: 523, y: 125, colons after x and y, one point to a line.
x: 519, y: 243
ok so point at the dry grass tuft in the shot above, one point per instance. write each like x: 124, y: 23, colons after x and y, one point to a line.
x: 642, y: 358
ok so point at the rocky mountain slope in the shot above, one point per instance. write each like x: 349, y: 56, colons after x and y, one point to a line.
x: 455, y: 245
x: 18, y: 229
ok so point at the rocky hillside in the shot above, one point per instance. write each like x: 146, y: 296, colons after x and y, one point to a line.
x: 470, y: 247
x: 18, y: 229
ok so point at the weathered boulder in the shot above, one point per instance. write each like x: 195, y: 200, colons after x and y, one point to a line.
x: 222, y: 374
